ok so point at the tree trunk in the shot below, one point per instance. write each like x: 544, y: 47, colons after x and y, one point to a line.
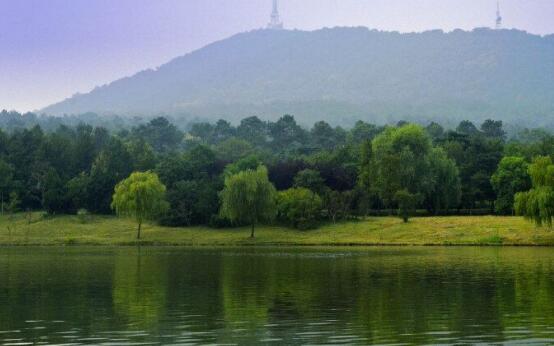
x: 252, y: 231
x: 138, y: 232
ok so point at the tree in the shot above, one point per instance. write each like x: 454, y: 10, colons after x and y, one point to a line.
x: 466, y: 127
x: 287, y: 135
x: 112, y: 165
x: 54, y: 196
x: 362, y: 131
x: 192, y: 202
x: 6, y: 181
x: 407, y: 203
x: 510, y: 178
x: 299, y: 207
x: 446, y: 187
x: 366, y: 174
x: 310, y: 179
x: 233, y: 149
x: 435, y: 131
x: 323, y: 136
x: 249, y: 197
x: 141, y: 196
x: 253, y: 130
x: 537, y: 204
x: 402, y: 161
x: 160, y: 134
x: 493, y: 129
x: 250, y: 162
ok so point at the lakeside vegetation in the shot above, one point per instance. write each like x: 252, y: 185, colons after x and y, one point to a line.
x: 276, y: 173
x: 109, y: 230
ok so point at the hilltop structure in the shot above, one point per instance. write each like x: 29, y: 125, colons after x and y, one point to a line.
x: 498, y: 17
x: 275, y: 22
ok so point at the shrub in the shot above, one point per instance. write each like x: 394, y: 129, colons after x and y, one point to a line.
x: 299, y: 207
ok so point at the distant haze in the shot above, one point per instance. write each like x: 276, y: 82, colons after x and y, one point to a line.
x: 52, y: 49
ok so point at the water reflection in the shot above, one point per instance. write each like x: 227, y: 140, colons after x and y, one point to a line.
x: 281, y: 296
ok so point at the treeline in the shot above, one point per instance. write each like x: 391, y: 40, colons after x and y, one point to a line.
x: 334, y: 173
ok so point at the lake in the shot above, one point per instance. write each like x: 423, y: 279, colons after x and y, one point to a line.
x: 292, y: 296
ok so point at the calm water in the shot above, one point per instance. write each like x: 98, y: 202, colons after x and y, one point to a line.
x: 276, y: 296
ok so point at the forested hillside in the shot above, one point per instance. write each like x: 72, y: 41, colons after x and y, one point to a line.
x: 342, y: 75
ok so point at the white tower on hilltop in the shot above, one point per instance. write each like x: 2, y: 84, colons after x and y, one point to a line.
x: 498, y: 16
x: 275, y: 21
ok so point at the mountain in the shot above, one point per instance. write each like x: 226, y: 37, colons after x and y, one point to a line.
x: 344, y: 74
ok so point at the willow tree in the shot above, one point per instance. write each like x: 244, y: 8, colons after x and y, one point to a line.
x: 537, y: 204
x: 140, y: 196
x: 249, y: 197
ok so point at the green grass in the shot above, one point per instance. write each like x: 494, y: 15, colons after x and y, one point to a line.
x: 106, y: 230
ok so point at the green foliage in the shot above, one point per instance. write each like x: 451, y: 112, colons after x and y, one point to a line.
x: 54, y: 196
x: 445, y: 190
x: 337, y: 204
x: 234, y: 149
x: 310, y: 179
x: 141, y: 196
x: 160, y: 134
x: 248, y: 197
x: 401, y: 159
x: 493, y: 129
x: 407, y: 203
x: 510, y: 178
x: 299, y: 207
x: 366, y: 174
x: 193, y: 202
x: 14, y: 203
x: 251, y: 162
x: 113, y: 164
x: 537, y: 204
x: 355, y: 172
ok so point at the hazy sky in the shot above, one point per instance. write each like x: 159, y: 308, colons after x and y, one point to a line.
x: 50, y: 49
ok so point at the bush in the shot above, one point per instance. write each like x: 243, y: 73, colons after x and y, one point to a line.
x: 219, y: 222
x: 83, y: 215
x: 299, y: 207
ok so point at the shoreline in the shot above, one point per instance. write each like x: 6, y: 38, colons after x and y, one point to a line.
x: 448, y: 231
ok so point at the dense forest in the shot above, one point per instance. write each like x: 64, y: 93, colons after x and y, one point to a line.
x: 321, y: 174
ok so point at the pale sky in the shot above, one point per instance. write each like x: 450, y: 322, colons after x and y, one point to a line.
x: 51, y: 49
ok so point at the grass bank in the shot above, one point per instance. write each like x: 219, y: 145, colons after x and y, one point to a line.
x: 105, y: 230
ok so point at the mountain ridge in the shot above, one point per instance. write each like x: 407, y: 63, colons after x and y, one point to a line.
x: 343, y: 74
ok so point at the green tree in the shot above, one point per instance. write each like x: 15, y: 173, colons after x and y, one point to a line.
x: 112, y: 165
x: 402, y: 161
x: 141, y: 196
x: 366, y: 174
x: 537, y: 204
x: 250, y: 162
x: 407, y: 203
x: 6, y: 181
x: 233, y: 149
x: 510, y: 178
x: 493, y: 129
x: 160, y: 134
x: 435, y: 131
x: 249, y: 197
x: 54, y: 196
x: 446, y: 190
x: 299, y: 207
x: 310, y: 179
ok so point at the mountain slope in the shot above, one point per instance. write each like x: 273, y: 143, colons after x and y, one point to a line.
x: 342, y: 74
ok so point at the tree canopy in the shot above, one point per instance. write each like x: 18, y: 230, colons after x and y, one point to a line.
x: 141, y: 196
x: 248, y: 197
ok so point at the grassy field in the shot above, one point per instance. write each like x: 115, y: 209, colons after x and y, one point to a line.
x: 105, y: 230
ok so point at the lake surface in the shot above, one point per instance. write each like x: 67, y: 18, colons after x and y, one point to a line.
x: 292, y: 296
